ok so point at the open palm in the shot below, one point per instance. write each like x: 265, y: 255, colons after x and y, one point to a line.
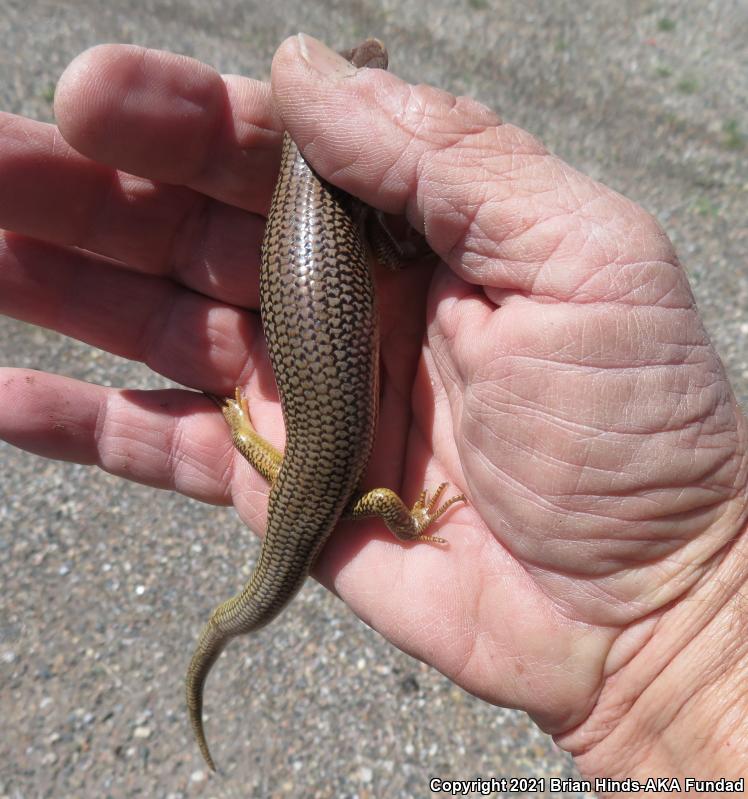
x: 553, y: 365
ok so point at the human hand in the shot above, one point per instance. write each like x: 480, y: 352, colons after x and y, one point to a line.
x: 564, y: 377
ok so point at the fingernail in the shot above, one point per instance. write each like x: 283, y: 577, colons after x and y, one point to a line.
x: 322, y: 59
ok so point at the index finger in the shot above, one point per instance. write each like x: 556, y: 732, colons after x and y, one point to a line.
x: 203, y: 148
x: 173, y: 119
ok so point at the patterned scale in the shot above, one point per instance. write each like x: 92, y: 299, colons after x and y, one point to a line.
x: 320, y: 322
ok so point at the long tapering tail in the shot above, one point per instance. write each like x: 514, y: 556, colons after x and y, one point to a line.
x: 209, y: 647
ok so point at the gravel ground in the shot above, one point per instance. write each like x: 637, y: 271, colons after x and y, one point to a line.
x: 104, y: 584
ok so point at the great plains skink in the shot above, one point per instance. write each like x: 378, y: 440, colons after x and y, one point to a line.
x: 320, y: 321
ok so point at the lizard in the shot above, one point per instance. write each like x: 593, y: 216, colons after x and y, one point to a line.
x: 319, y: 316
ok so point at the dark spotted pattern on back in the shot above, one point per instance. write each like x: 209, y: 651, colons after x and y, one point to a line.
x: 319, y: 318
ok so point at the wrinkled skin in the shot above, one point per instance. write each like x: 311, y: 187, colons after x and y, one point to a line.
x: 552, y: 364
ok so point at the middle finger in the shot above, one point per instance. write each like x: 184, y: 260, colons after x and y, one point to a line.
x: 49, y: 191
x: 179, y: 333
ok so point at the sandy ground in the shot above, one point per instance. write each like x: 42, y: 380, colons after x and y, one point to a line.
x: 104, y: 584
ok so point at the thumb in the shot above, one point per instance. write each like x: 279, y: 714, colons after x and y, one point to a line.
x: 491, y: 200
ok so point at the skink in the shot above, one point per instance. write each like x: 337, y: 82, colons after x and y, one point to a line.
x: 319, y: 317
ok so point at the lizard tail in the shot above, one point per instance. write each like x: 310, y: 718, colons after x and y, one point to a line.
x: 209, y: 647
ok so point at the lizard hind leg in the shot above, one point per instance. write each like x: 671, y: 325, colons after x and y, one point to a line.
x: 261, y: 454
x: 407, y: 524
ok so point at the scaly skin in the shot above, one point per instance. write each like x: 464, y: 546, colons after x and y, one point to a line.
x: 319, y: 317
